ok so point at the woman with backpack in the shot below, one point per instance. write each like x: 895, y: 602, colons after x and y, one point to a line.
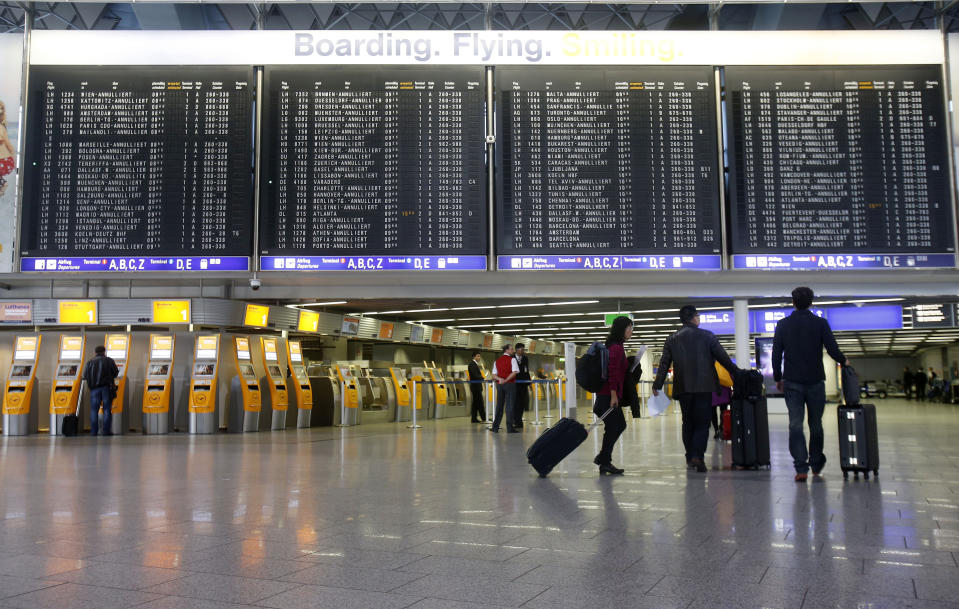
x: 611, y: 395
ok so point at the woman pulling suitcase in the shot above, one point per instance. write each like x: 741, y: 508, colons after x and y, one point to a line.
x: 611, y: 393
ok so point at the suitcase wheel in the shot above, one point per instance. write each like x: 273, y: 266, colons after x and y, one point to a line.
x: 875, y: 473
x: 865, y: 475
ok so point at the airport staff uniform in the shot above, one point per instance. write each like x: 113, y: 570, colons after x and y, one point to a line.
x: 505, y: 392
x: 477, y: 407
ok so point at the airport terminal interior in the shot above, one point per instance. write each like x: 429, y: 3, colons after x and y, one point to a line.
x: 306, y: 231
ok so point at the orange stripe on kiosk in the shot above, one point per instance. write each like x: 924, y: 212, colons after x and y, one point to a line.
x: 203, y: 379
x: 277, y: 398
x: 302, y: 390
x: 20, y: 410
x: 158, y: 385
x: 349, y: 397
x: 118, y: 349
x: 66, y: 380
x: 244, y: 389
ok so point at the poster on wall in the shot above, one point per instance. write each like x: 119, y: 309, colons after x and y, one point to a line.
x: 11, y: 58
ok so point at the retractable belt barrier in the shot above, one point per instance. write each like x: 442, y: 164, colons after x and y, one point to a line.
x: 547, y: 382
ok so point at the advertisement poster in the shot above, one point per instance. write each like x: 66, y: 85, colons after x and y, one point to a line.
x: 11, y: 58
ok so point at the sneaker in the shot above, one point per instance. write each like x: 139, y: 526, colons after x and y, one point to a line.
x: 818, y: 470
x: 800, y: 477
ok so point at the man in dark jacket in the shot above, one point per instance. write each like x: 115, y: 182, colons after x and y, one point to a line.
x: 478, y: 405
x: 99, y: 374
x: 907, y: 382
x: 522, y: 389
x: 802, y: 336
x: 693, y: 354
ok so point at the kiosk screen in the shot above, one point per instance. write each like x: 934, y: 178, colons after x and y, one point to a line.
x: 20, y: 371
x: 203, y: 369
x: 67, y: 370
x: 247, y: 370
x: 275, y: 372
x: 159, y: 370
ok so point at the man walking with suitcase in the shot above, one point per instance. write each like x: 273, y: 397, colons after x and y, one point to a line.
x: 694, y: 353
x: 99, y: 375
x: 801, y: 337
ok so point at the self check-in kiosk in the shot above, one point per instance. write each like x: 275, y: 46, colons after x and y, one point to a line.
x: 302, y: 395
x: 244, y: 390
x: 20, y: 409
x: 326, y: 395
x: 276, y: 399
x: 118, y: 349
x: 349, y: 396
x: 440, y: 394
x: 66, y: 380
x: 203, y: 380
x: 402, y: 389
x: 158, y: 385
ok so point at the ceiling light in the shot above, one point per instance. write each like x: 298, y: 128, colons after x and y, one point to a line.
x: 322, y: 304
x: 472, y: 308
x: 564, y: 314
x: 389, y: 312
x: 474, y: 318
x: 571, y: 302
x: 516, y: 306
x: 426, y: 321
x: 423, y: 310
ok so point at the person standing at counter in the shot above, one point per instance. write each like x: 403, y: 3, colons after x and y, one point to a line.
x: 504, y: 375
x: 99, y: 375
x: 477, y: 407
x: 522, y: 389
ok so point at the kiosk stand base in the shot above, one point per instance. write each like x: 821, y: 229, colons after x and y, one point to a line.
x: 16, y: 424
x: 56, y: 424
x: 157, y: 423
x: 303, y: 418
x: 279, y: 420
x: 203, y: 422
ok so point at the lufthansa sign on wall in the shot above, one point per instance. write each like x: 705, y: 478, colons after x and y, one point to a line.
x: 333, y: 47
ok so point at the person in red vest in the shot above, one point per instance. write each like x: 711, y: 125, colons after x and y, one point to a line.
x: 504, y: 375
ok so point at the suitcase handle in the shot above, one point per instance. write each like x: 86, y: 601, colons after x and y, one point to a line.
x: 80, y: 397
x: 602, y: 418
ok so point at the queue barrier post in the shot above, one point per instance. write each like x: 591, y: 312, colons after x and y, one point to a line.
x: 414, y: 405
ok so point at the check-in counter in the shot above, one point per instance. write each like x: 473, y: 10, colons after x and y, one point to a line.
x: 326, y: 395
x: 245, y: 398
x: 158, y: 385
x: 67, y: 380
x: 20, y: 397
x: 301, y: 402
x: 202, y: 405
x: 275, y: 396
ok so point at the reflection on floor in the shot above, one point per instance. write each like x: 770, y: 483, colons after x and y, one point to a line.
x: 451, y: 517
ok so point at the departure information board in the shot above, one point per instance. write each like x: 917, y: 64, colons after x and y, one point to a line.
x: 138, y: 168
x: 839, y: 168
x: 374, y: 169
x: 608, y: 168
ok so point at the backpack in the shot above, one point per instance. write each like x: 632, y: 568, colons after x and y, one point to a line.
x: 592, y: 369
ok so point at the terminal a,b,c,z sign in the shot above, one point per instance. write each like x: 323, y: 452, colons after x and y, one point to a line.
x: 602, y: 262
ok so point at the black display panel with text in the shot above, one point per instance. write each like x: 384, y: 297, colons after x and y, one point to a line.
x: 138, y: 168
x: 370, y: 168
x: 607, y: 168
x: 839, y: 168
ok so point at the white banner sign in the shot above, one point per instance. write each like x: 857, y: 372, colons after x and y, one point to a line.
x: 332, y: 47
x: 11, y: 60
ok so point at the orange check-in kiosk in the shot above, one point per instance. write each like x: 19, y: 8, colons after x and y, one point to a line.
x: 118, y: 349
x: 21, y: 413
x: 158, y: 385
x: 66, y: 380
x: 203, y: 378
x: 302, y: 390
x: 402, y: 389
x: 244, y: 389
x: 349, y: 396
x: 276, y: 399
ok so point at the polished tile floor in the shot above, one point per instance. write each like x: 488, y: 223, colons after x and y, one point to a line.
x: 451, y: 517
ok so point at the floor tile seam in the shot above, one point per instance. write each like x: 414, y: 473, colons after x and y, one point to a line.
x: 5, y: 600
x: 178, y: 571
x: 266, y: 598
x: 421, y: 576
x: 527, y: 572
x: 544, y: 591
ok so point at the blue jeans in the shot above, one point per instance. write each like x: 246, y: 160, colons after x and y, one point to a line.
x: 799, y: 398
x: 98, y: 396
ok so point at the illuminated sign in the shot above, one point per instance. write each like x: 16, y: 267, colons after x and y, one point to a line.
x: 309, y: 321
x: 77, y: 312
x: 256, y: 315
x: 171, y: 311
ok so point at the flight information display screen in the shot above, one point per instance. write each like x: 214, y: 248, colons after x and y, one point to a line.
x: 607, y: 168
x: 372, y: 168
x: 138, y: 168
x: 839, y: 168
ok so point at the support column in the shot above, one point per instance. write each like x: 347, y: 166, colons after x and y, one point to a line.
x: 741, y: 314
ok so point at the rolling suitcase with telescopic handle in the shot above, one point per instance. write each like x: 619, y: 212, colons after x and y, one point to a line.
x: 858, y: 431
x: 557, y: 442
x: 71, y: 422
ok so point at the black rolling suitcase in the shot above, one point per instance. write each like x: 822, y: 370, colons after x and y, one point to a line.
x: 557, y: 442
x: 750, y: 432
x: 858, y: 432
x: 71, y: 422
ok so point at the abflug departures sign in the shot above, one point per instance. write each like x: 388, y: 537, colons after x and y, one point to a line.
x: 138, y: 169
x: 607, y: 168
x: 374, y: 169
x: 839, y: 168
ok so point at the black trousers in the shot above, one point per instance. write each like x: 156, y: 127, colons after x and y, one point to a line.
x: 522, y: 403
x: 613, y: 426
x: 505, y: 400
x: 697, y: 411
x: 477, y: 406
